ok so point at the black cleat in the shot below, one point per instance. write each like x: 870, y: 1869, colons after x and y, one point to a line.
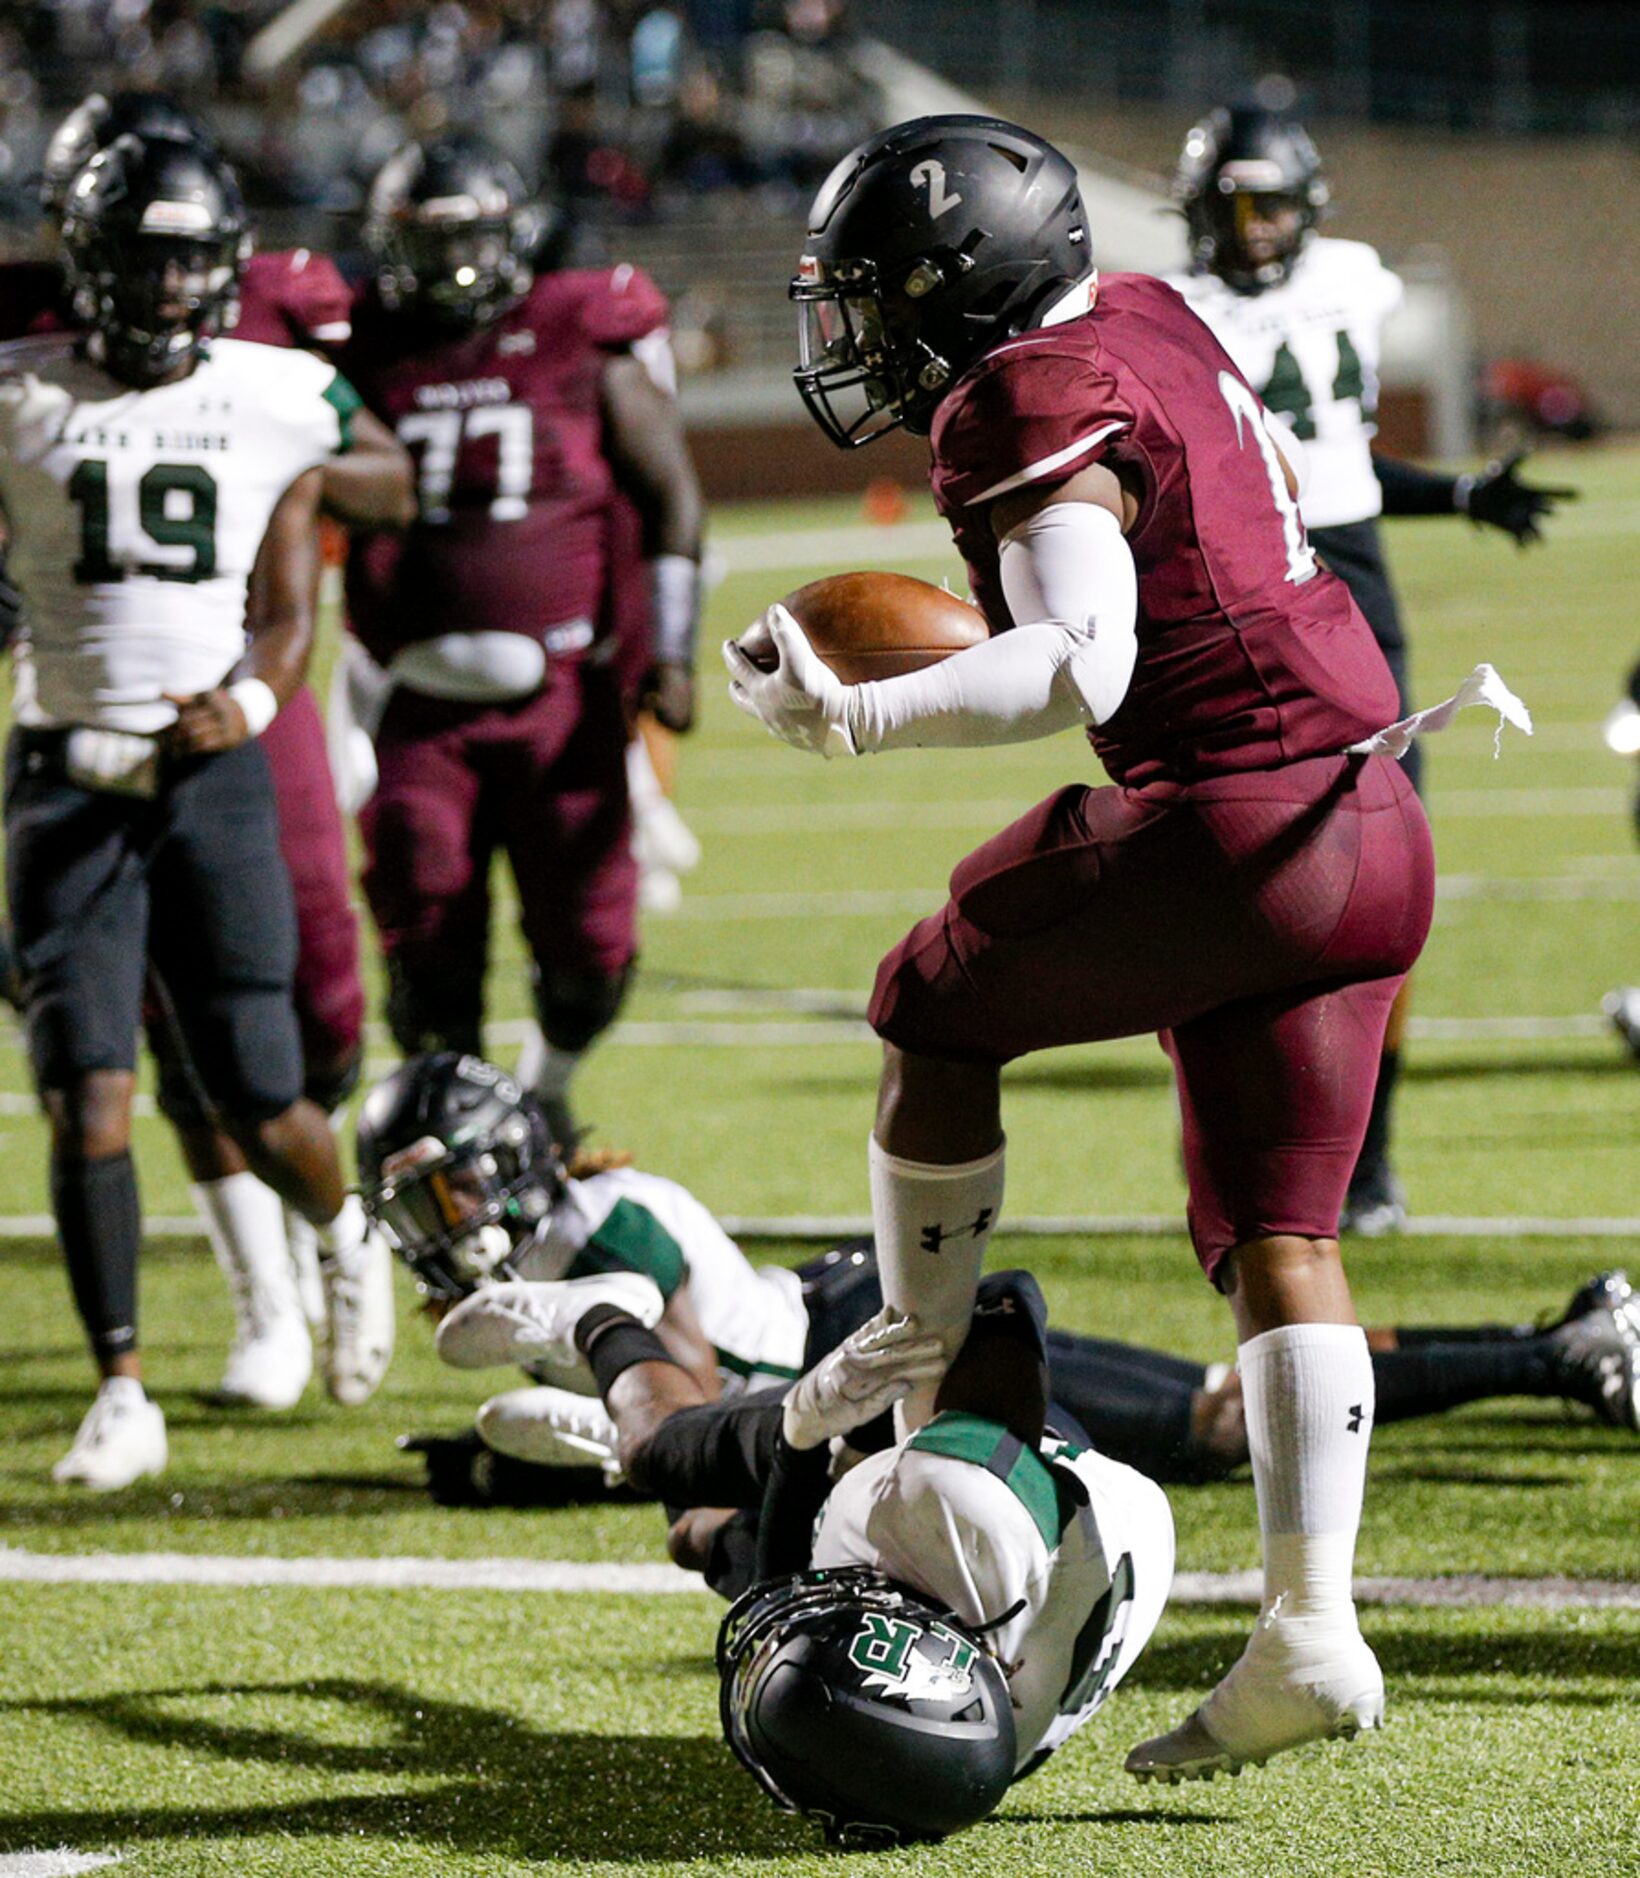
x: 1376, y: 1202
x: 1594, y: 1355
x: 1605, y: 1291
x: 1622, y: 1008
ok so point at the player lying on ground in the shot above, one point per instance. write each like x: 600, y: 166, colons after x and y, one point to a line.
x: 991, y: 1575
x: 161, y: 491
x: 455, y: 1167
x: 1254, y: 888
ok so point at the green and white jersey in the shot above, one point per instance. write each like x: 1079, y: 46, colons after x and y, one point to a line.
x: 1310, y: 348
x: 625, y: 1220
x: 136, y: 517
x: 1075, y: 1551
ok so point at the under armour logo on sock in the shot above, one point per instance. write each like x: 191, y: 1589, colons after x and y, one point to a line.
x: 934, y: 1237
x: 1356, y: 1414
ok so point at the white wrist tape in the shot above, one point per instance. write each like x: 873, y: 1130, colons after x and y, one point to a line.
x: 1069, y: 579
x: 257, y: 703
x: 675, y: 590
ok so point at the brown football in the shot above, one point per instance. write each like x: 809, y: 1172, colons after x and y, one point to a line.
x: 870, y: 625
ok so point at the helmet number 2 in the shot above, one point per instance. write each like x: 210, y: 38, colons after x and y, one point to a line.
x: 444, y: 432
x: 932, y: 176
x: 1250, y: 415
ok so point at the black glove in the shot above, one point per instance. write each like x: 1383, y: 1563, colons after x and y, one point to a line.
x: 11, y: 605
x: 461, y: 1471
x: 1497, y: 498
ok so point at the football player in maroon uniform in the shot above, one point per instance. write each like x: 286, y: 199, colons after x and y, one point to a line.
x: 285, y: 298
x: 1254, y: 887
x: 521, y: 397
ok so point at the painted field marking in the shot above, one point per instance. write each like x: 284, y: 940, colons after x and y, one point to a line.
x: 777, y: 819
x: 832, y: 1228
x: 558, y: 1575
x: 56, y: 1864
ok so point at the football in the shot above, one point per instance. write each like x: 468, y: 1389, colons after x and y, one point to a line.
x: 869, y: 625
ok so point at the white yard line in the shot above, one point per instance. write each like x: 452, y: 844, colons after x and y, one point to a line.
x: 811, y: 818
x: 56, y: 1864
x: 833, y: 1227
x: 859, y: 545
x: 523, y: 1574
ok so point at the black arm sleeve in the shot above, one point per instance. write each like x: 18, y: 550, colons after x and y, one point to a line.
x: 799, y: 1480
x: 719, y: 1454
x: 1409, y: 490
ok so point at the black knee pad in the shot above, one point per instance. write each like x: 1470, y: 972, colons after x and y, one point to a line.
x: 330, y: 1087
x: 178, y: 1093
x: 574, y: 1007
x: 446, y: 1015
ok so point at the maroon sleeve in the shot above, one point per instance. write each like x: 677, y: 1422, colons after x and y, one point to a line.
x: 622, y: 306
x: 294, y: 297
x: 1026, y: 416
x: 319, y: 303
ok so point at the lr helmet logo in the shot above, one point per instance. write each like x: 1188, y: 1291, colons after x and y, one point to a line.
x: 932, y: 176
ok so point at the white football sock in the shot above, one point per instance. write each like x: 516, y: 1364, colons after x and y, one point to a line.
x: 245, y: 1223
x: 932, y: 1225
x: 303, y: 1242
x: 1308, y: 1392
x: 345, y: 1233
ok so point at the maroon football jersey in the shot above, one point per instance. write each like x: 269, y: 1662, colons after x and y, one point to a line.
x: 514, y: 485
x: 291, y: 297
x: 1250, y: 654
x: 294, y: 297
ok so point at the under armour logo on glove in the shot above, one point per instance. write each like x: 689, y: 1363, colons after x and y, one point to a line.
x: 934, y: 1237
x: 1356, y: 1414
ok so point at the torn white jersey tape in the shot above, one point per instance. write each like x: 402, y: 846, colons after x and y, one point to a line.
x: 1482, y: 686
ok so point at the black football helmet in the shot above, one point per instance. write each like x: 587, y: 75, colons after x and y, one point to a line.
x: 1240, y: 156
x: 453, y: 232
x: 154, y: 241
x: 93, y: 125
x: 862, y: 1705
x: 928, y: 245
x: 457, y: 1168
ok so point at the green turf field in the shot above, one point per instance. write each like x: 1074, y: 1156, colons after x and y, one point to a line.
x: 196, y: 1730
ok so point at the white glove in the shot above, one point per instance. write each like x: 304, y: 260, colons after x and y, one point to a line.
x: 866, y: 1374
x: 801, y: 701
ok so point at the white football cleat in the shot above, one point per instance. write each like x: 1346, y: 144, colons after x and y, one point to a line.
x: 523, y: 1322
x: 268, y: 1366
x: 1299, y: 1679
x: 551, y: 1428
x: 121, y: 1439
x: 662, y: 838
x: 359, y: 1308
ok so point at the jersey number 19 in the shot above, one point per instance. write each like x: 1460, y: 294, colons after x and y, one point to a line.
x: 176, y: 508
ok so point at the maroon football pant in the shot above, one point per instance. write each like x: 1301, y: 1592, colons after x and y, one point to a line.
x: 1261, y: 923
x: 545, y: 781
x: 328, y: 992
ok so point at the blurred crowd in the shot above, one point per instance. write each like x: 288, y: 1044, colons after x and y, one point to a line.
x: 636, y: 107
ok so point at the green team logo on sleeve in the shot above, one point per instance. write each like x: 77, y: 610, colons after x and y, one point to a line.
x: 885, y: 1648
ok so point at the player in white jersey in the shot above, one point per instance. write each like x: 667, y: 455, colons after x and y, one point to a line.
x: 161, y: 496
x: 927, y: 1622
x: 1302, y: 316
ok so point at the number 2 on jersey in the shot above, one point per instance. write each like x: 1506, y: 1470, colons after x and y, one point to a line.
x: 444, y: 432
x: 1250, y: 413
